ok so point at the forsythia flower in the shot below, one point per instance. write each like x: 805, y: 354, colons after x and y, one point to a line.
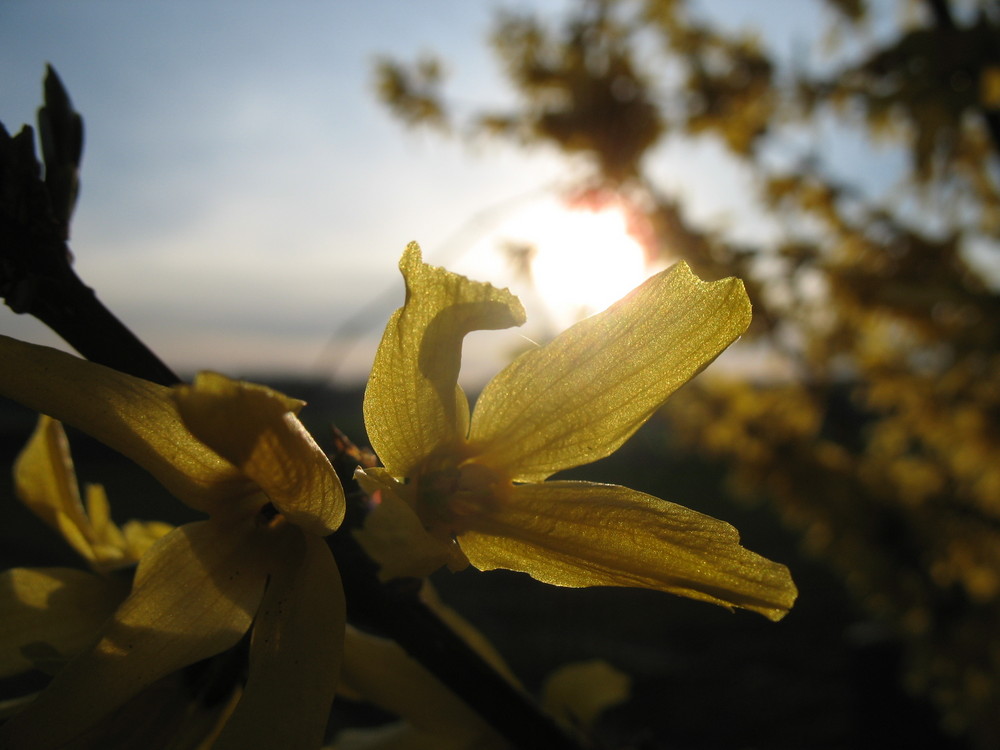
x: 63, y: 609
x: 458, y: 489
x: 239, y: 453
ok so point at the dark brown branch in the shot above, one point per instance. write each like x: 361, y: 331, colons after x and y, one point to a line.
x: 70, y: 308
x: 395, y: 610
x: 36, y: 273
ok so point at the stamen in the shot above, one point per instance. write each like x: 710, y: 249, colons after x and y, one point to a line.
x: 269, y: 517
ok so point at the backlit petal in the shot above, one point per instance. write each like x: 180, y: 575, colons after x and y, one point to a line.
x: 141, y: 535
x: 59, y: 607
x: 255, y: 429
x: 582, y: 534
x: 295, y: 653
x: 413, y: 405
x: 110, y: 548
x: 46, y: 482
x: 135, y: 417
x: 581, y: 396
x: 195, y: 594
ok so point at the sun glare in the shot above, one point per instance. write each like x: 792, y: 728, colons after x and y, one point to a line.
x: 581, y: 260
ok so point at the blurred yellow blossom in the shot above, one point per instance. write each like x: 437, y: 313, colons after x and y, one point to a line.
x: 577, y: 694
x: 237, y: 452
x: 458, y: 489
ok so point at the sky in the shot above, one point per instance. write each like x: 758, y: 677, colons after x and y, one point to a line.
x: 245, y: 198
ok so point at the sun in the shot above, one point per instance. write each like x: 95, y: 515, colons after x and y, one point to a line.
x: 580, y: 260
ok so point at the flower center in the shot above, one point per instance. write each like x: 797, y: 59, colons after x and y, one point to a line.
x: 448, y: 497
x: 269, y: 517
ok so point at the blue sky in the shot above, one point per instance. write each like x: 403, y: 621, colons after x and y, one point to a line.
x: 244, y: 193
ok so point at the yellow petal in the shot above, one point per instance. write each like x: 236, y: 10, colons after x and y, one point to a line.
x: 106, y: 532
x: 195, y: 594
x: 393, y: 535
x: 60, y: 607
x: 255, y: 428
x: 580, y: 397
x: 46, y: 482
x: 295, y: 653
x: 110, y: 549
x: 135, y: 417
x: 141, y: 535
x: 413, y: 405
x: 581, y: 534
